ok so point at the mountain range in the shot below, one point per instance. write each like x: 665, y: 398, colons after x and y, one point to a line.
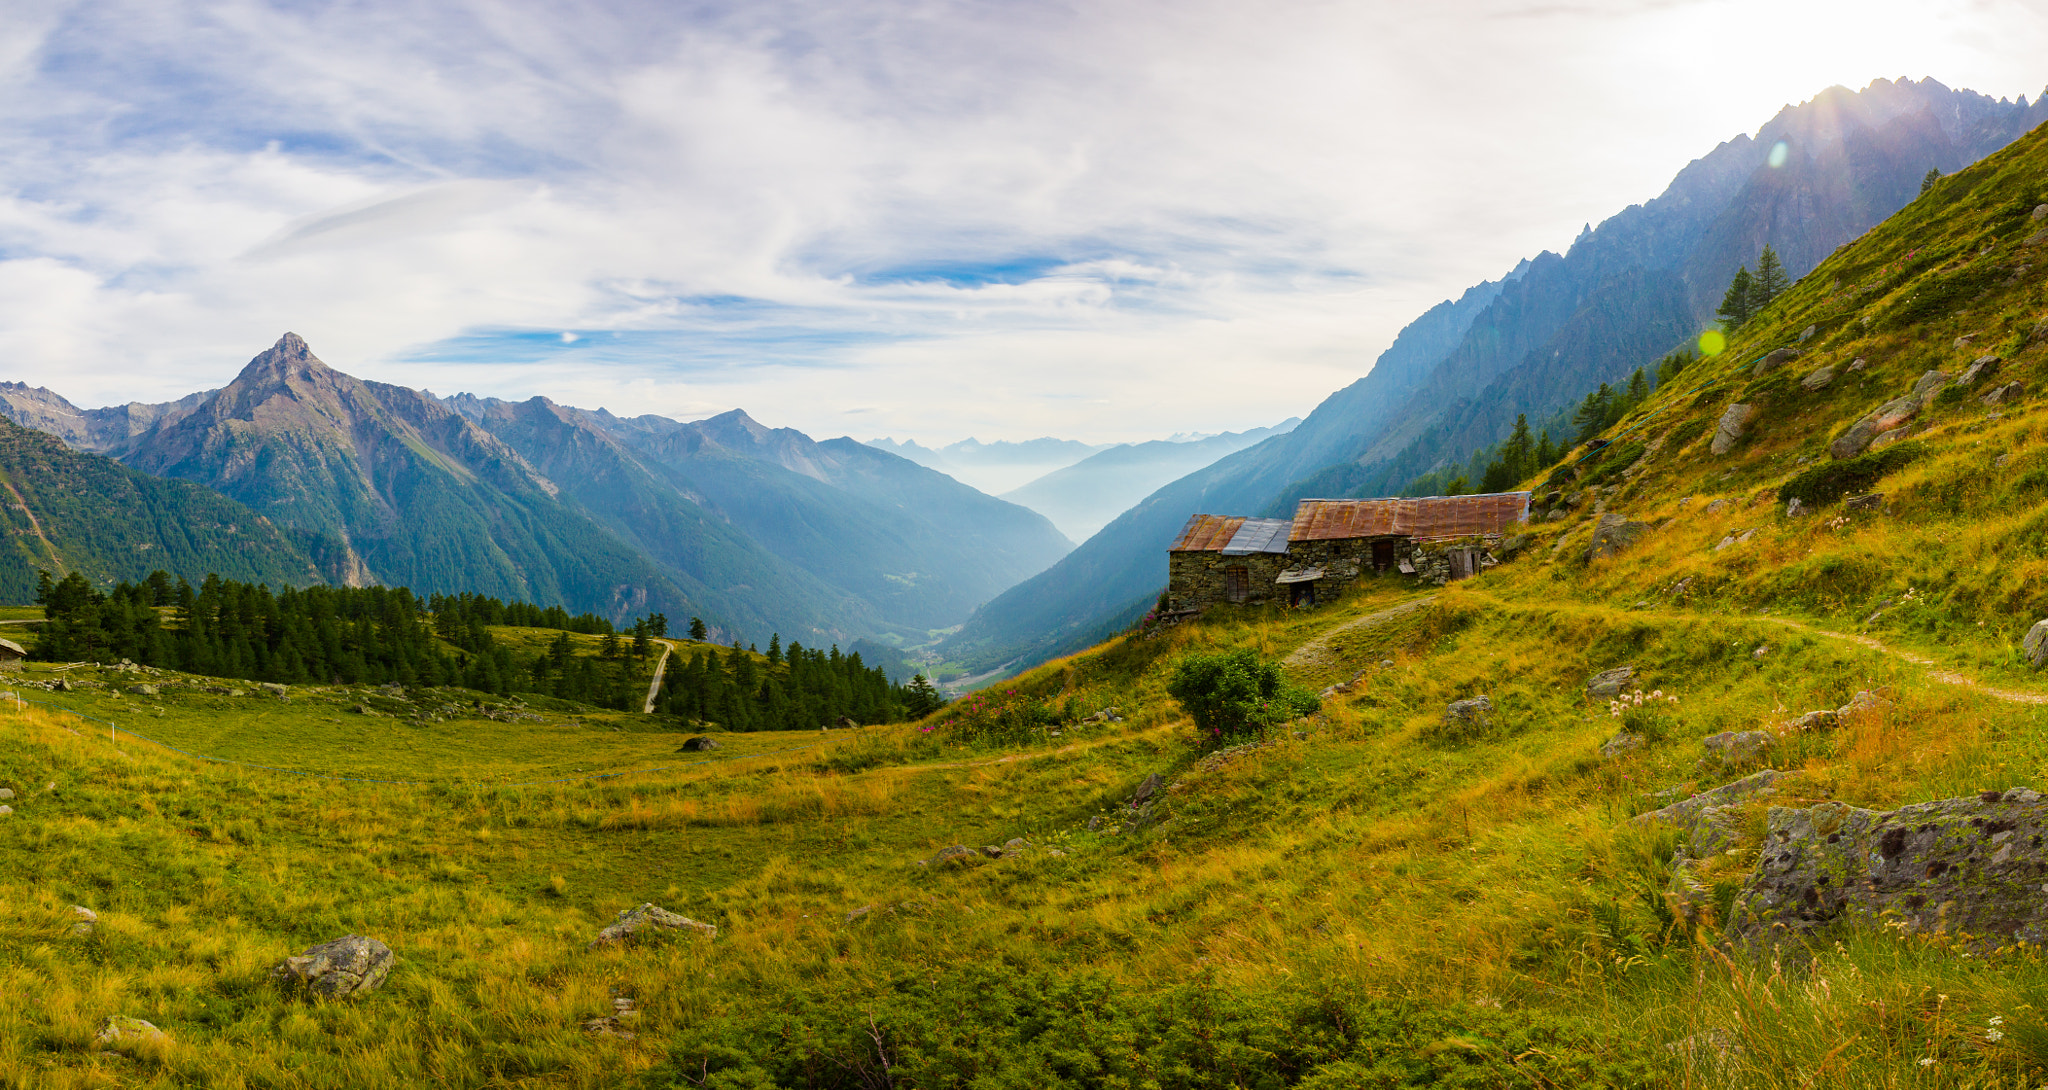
x: 995, y: 467
x: 1642, y: 283
x: 757, y: 530
x: 1081, y: 498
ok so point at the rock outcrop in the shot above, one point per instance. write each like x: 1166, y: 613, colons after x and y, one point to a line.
x: 1891, y: 415
x: 643, y: 919
x: 2036, y: 644
x: 1738, y: 747
x: 1972, y: 866
x: 698, y: 745
x: 1733, y: 426
x: 120, y: 1033
x: 1608, y: 684
x: 1613, y: 535
x: 1467, y: 716
x: 337, y: 969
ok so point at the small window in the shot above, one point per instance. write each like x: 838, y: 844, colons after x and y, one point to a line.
x: 1237, y: 583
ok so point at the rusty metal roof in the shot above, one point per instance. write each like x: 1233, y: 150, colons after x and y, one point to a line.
x: 1206, y: 534
x: 1431, y: 518
x: 1259, y: 536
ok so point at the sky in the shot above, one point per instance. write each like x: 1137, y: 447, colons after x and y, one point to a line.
x: 913, y: 218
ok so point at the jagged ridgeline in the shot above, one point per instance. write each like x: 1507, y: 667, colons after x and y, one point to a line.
x: 71, y: 512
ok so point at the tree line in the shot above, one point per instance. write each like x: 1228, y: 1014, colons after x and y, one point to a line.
x: 798, y: 688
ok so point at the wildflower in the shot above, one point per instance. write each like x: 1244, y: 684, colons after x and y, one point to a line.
x: 1926, y: 1061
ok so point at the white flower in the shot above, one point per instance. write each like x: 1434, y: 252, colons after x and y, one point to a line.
x: 1998, y: 1019
x: 1994, y: 1036
x: 1926, y: 1061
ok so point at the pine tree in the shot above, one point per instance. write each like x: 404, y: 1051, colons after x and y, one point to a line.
x: 1769, y: 282
x: 697, y: 630
x: 921, y: 698
x: 774, y: 647
x: 1927, y: 182
x: 1593, y: 414
x: 1546, y: 452
x: 1736, y: 305
x: 1638, y: 391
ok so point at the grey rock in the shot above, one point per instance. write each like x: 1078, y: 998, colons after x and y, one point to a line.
x: 1733, y: 426
x: 6, y: 792
x: 1476, y: 712
x: 1762, y: 649
x: 1608, y: 684
x: 1825, y: 719
x: 1885, y: 439
x: 698, y: 745
x: 646, y: 918
x: 1969, y: 866
x: 1622, y: 743
x: 1858, y: 364
x: 1095, y: 823
x: 1557, y: 514
x: 1613, y: 535
x: 1775, y: 359
x: 991, y: 851
x: 143, y: 690
x: 2009, y: 392
x: 5, y: 810
x: 273, y: 688
x: 63, y: 685
x: 83, y: 920
x: 1868, y: 501
x: 1928, y: 385
x: 1738, y: 747
x: 859, y: 912
x: 337, y: 969
x: 1795, y: 507
x: 2040, y: 212
x: 1145, y: 790
x: 1015, y: 844
x: 1981, y: 367
x: 1819, y: 380
x: 2036, y: 644
x: 119, y: 1033
x: 960, y: 853
x: 1807, y: 333
x: 1708, y: 820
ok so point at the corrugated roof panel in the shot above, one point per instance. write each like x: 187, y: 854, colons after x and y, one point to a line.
x: 1431, y: 518
x: 1206, y: 533
x: 1259, y: 536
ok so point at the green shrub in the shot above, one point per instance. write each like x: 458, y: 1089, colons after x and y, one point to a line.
x: 997, y: 717
x: 1236, y: 694
x: 1830, y: 481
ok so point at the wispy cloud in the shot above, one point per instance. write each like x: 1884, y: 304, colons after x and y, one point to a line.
x: 927, y: 218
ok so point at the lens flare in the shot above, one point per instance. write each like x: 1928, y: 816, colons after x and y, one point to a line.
x: 1712, y: 342
x: 1779, y: 151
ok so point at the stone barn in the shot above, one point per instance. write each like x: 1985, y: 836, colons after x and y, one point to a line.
x: 11, y: 654
x: 1225, y: 558
x: 1329, y: 543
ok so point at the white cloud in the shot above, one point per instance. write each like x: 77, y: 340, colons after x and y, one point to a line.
x: 924, y: 219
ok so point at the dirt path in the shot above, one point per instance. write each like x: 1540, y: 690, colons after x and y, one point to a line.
x: 1946, y: 677
x: 654, y: 687
x: 1315, y: 654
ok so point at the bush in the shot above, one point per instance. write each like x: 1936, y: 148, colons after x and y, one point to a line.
x: 1236, y: 694
x: 1830, y: 481
x: 997, y: 718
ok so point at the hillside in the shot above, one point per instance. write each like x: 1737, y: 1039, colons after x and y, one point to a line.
x: 68, y: 511
x: 1639, y: 284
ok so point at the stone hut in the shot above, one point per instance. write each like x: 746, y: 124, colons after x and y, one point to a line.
x: 1331, y: 542
x: 1225, y: 558
x: 11, y: 654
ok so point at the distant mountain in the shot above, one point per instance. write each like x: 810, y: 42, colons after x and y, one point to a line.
x: 917, y: 548
x: 1642, y: 283
x: 757, y: 530
x: 1081, y: 498
x: 70, y: 511
x: 996, y: 467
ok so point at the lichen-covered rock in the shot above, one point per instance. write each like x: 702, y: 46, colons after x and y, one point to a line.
x: 958, y: 853
x: 1819, y: 379
x: 2036, y: 643
x: 1795, y: 507
x: 1468, y: 715
x: 1981, y: 367
x: 1972, y: 866
x: 1625, y: 742
x: 1868, y: 501
x: 698, y: 745
x: 1608, y: 684
x: 1613, y: 535
x: 339, y: 968
x: 2008, y: 392
x: 1824, y: 719
x: 1733, y: 426
x: 1887, y: 417
x: 1697, y: 817
x: 1775, y: 359
x: 632, y: 922
x: 1739, y: 747
x: 120, y: 1033
x: 83, y: 920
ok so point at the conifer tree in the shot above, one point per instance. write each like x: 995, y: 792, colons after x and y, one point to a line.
x: 1769, y: 282
x: 1927, y: 182
x: 697, y: 630
x: 1735, y: 306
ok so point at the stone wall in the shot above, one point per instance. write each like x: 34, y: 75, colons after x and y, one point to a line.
x: 1196, y: 581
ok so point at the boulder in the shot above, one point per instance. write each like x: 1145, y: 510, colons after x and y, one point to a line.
x: 1795, y: 507
x: 1887, y: 417
x: 1613, y: 535
x: 1476, y: 712
x: 143, y: 690
x: 631, y: 923
x: 1858, y: 364
x: 1733, y: 426
x: 1706, y: 821
x: 2008, y: 392
x: 1608, y: 684
x: 1738, y: 747
x: 339, y: 968
x: 844, y: 723
x: 119, y: 1033
x: 1777, y: 358
x: 2036, y: 644
x: 1927, y: 386
x: 1981, y: 367
x: 1824, y: 719
x: 1015, y: 844
x: 1819, y: 380
x: 960, y: 853
x: 83, y: 920
x: 62, y: 685
x: 273, y: 688
x: 1145, y: 790
x: 1868, y: 501
x: 6, y: 792
x: 1625, y: 742
x: 1863, y: 701
x: 1970, y: 867
x: 697, y: 745
x: 2040, y: 213
x: 1807, y: 333
x: 991, y: 851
